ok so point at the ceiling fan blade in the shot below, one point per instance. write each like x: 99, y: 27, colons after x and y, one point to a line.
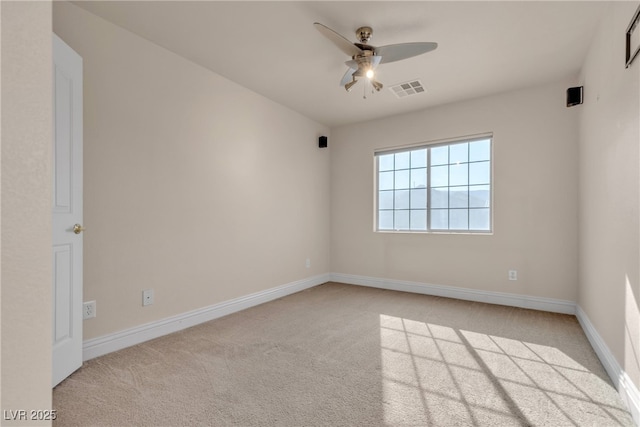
x: 352, y: 63
x: 396, y: 52
x: 343, y: 44
x: 348, y: 76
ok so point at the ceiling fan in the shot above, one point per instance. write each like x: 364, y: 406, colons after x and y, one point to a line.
x: 365, y: 58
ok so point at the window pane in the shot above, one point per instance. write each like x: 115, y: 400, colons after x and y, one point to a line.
x: 439, y: 155
x: 479, y: 219
x: 385, y: 200
x: 479, y: 173
x: 385, y: 162
x: 402, y: 220
x: 419, y: 158
x: 402, y: 199
x: 419, y: 199
x: 402, y: 179
x: 439, y: 197
x: 458, y: 197
x: 419, y: 178
x: 439, y: 188
x: 402, y: 160
x: 439, y: 219
x: 480, y: 150
x: 385, y: 220
x: 459, y: 174
x: 458, y: 219
x: 440, y: 176
x: 459, y: 153
x: 385, y: 180
x: 418, y: 220
x: 479, y: 196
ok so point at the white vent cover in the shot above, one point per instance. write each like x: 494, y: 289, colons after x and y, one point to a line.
x: 409, y: 88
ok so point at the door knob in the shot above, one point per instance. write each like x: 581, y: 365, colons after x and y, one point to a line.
x: 78, y: 229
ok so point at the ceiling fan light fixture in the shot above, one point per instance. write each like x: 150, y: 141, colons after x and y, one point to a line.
x: 349, y: 85
x: 369, y: 73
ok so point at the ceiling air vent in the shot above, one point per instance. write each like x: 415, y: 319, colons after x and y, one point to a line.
x: 409, y: 88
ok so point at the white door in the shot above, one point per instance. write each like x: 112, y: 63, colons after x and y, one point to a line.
x: 67, y: 211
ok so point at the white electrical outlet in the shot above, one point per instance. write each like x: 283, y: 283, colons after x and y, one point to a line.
x: 147, y: 297
x: 88, y: 309
x: 308, y: 263
x: 513, y: 274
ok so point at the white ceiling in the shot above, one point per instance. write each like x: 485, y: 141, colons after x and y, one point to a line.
x: 273, y: 48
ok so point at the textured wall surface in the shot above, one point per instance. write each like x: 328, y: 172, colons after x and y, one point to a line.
x: 609, y: 191
x: 535, y: 198
x: 26, y: 208
x: 194, y: 186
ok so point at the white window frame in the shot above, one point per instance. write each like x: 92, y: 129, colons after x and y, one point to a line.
x: 429, y: 146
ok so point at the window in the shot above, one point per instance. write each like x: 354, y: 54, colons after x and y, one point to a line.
x: 438, y: 187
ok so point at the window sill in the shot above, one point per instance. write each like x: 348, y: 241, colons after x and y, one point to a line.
x: 449, y: 232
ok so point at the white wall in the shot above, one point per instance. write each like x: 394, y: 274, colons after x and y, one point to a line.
x: 194, y: 186
x: 25, y: 239
x: 535, y: 198
x: 609, y: 248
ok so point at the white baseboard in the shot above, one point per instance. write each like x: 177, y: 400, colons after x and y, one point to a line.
x: 626, y: 388
x: 513, y: 300
x: 112, y: 342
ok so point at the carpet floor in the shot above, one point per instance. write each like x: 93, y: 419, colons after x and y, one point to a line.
x: 343, y: 355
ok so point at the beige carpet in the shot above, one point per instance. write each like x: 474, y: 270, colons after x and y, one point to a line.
x: 339, y: 355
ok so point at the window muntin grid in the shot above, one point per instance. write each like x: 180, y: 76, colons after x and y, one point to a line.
x: 437, y: 188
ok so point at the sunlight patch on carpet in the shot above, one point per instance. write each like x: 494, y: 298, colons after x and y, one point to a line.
x: 484, y: 380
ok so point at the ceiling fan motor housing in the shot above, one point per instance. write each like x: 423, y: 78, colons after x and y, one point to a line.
x: 364, y: 34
